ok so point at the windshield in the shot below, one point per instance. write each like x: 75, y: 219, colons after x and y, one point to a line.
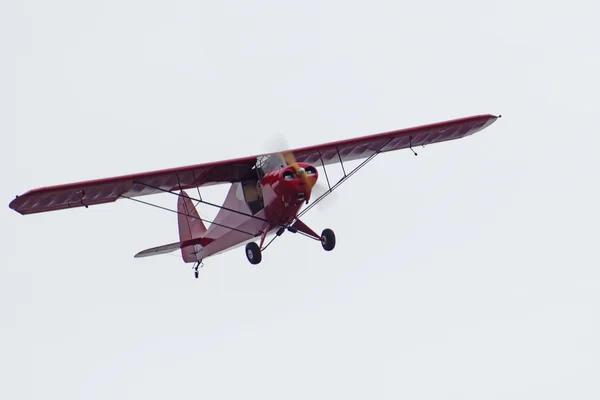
x: 270, y: 163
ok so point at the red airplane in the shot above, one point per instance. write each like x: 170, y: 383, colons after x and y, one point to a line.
x: 266, y: 195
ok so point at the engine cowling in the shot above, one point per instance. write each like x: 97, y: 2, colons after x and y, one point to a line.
x: 286, y: 189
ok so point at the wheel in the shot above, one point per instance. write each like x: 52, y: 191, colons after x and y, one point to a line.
x: 196, y: 274
x: 253, y: 253
x: 328, y: 239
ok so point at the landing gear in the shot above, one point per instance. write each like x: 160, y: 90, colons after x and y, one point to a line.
x: 328, y: 239
x: 196, y: 267
x: 253, y: 253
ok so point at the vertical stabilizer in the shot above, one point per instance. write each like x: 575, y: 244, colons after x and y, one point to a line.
x: 190, y: 225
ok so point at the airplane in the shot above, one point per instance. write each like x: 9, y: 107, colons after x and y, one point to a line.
x: 266, y: 196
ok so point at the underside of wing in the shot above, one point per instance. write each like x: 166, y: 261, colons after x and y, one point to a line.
x: 84, y: 194
x: 363, y: 147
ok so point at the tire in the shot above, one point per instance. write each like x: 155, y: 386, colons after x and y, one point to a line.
x: 253, y: 253
x: 328, y: 239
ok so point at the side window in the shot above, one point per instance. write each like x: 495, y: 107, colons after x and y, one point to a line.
x: 253, y: 195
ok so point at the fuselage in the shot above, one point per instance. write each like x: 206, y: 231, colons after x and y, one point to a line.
x: 284, y: 191
x: 258, y: 207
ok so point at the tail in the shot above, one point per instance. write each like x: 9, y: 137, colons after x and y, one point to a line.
x: 190, y: 225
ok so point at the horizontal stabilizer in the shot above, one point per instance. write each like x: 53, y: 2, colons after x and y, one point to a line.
x: 169, y: 248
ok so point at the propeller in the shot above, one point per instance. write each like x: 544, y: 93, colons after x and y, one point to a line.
x: 290, y: 160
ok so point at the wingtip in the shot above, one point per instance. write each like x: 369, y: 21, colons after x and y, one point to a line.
x: 140, y: 254
x: 14, y: 205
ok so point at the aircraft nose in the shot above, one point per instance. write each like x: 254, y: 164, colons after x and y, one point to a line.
x: 301, y: 171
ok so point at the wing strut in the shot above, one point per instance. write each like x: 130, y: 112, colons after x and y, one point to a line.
x: 331, y: 189
x: 342, y: 180
x: 324, y: 170
x: 203, y: 202
x: 341, y: 162
x: 188, y: 215
x: 197, y: 188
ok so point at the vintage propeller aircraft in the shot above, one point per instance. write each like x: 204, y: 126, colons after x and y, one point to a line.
x: 266, y: 195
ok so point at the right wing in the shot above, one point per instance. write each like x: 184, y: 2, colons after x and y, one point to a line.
x: 365, y: 146
x: 108, y: 190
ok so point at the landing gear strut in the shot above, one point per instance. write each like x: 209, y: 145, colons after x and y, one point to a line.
x: 253, y: 253
x: 196, y: 267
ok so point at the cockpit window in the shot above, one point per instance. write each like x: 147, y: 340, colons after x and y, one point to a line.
x: 270, y: 163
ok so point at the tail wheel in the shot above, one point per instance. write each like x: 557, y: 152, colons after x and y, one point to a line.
x: 328, y: 239
x: 253, y: 253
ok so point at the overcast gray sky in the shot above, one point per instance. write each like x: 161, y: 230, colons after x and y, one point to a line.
x: 468, y: 272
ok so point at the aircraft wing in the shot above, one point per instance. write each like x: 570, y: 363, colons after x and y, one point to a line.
x: 110, y: 189
x: 363, y: 147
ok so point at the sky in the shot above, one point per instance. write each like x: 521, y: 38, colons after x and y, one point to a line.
x: 468, y: 272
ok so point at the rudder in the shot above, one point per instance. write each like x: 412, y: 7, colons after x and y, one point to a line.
x: 190, y: 224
